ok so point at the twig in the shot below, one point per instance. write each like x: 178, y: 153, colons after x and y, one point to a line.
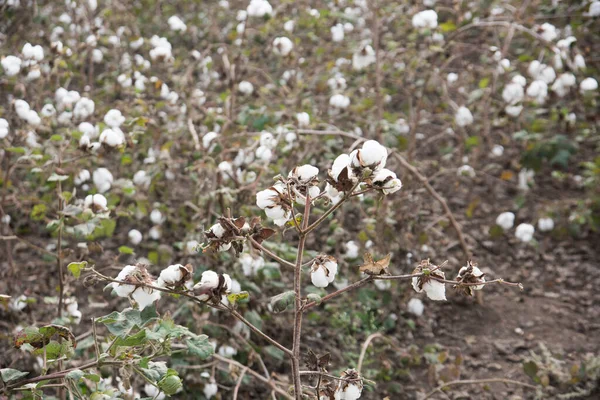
x: 239, y: 383
x: 364, y: 348
x: 194, y: 134
x: 271, y: 254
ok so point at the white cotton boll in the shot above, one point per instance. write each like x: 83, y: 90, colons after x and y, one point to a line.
x: 156, y: 217
x: 588, y: 85
x: 33, y: 74
x: 241, y: 15
x: 123, y: 290
x: 97, y: 56
x: 351, y: 250
x: 372, y: 155
x: 525, y: 178
x: 337, y: 33
x: 172, y: 274
x: 363, y: 58
x: 303, y: 119
x: 4, y: 128
x: 594, y: 9
x: 505, y: 220
x: 337, y: 83
x: 226, y: 169
x: 210, y: 390
x: 153, y: 392
x: 33, y: 52
x: 578, y: 62
x: 342, y: 161
x: 18, y: 303
x: 289, y: 26
x: 318, y: 277
x: 95, y: 202
x: 259, y: 8
x: 124, y: 80
x: 466, y: 170
x: 65, y: 118
x: 451, y: 78
x: 547, y: 74
x: 305, y: 173
x: 351, y: 392
x: 112, y: 137
x: 208, y: 139
x: 433, y: 289
x: 268, y: 197
x: 277, y: 212
x: 524, y: 232
x: 145, y: 297
x: 136, y: 44
x: 11, y: 65
x: 91, y: 41
x: 332, y: 268
x: 135, y: 237
x: 114, y: 118
x: 545, y: 224
x: 48, y: 110
x: 538, y: 91
x: 534, y: 68
x: 282, y: 46
x: 208, y: 281
x: 88, y: 130
x: 5, y: 219
x: 425, y: 19
x: 513, y: 111
x: 463, y: 116
x: 103, y: 179
x: 264, y: 153
x: 497, y: 150
x: 416, y: 307
x: 387, y: 181
x: 217, y: 230
x: 513, y: 93
x: 141, y: 178
x: 155, y: 233
x: 227, y: 351
x: 548, y: 31
x: 563, y: 83
x: 176, y: 24
x: 520, y: 80
x: 268, y: 140
x: 246, y: 87
x: 339, y: 101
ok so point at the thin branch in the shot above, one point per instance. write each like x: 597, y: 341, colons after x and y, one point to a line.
x: 271, y: 254
x: 239, y: 383
x: 364, y: 348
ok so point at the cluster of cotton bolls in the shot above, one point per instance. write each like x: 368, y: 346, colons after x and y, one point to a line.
x: 251, y: 264
x: 524, y: 231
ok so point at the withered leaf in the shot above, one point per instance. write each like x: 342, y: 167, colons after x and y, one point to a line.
x: 372, y: 267
x: 239, y: 222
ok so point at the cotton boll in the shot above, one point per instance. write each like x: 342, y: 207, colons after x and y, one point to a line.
x: 11, y: 65
x: 339, y: 101
x: 463, y: 116
x: 141, y: 178
x: 433, y: 289
x: 318, y: 277
x: 466, y: 170
x: 176, y: 24
x: 97, y: 56
x: 303, y: 119
x: 513, y: 111
x: 305, y: 173
x: 153, y: 392
x: 451, y: 78
x: 513, y: 93
x: 263, y: 153
x: 497, y: 150
x: 545, y: 224
x: 4, y: 128
x: 563, y: 83
x: 124, y: 80
x: 427, y: 19
x: 156, y: 217
x: 48, y: 110
x: 135, y: 237
x: 95, y: 202
x: 114, y: 118
x: 548, y: 31
x: 208, y: 139
x: 112, y: 137
x: 259, y: 8
x: 337, y: 33
x: 155, y: 233
x: 372, y: 155
x: 588, y: 85
x: 35, y: 53
x: 103, y: 179
x: 351, y: 250
x: 505, y: 220
x: 88, y: 130
x: 520, y: 80
x: 282, y: 46
x: 363, y: 58
x: 594, y: 9
x: 124, y: 290
x: 246, y: 87
x: 145, y: 297
x: 525, y: 232
x: 210, y: 390
x: 538, y: 91
x: 416, y: 307
x: 387, y: 181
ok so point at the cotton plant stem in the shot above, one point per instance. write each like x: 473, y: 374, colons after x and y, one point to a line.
x: 364, y: 348
x: 307, y: 229
x: 298, y: 312
x: 271, y: 254
x: 239, y: 383
x: 476, y: 382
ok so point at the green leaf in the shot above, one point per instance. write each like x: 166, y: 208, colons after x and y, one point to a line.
x: 274, y: 352
x: 531, y: 369
x: 496, y: 232
x: 9, y: 374
x: 448, y: 26
x: 120, y: 324
x: 200, y: 346
x: 17, y: 150
x: 57, y: 178
x: 133, y: 340
x: 484, y: 83
x: 238, y: 297
x: 76, y: 267
x: 282, y: 301
x: 56, y: 138
x: 125, y: 250
x: 75, y: 375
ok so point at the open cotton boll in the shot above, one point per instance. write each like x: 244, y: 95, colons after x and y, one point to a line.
x: 513, y: 111
x: 156, y: 217
x: 463, y: 116
x: 217, y: 230
x: 545, y: 224
x: 210, y: 390
x: 121, y: 289
x: 371, y: 155
x: 135, y: 237
x: 282, y: 45
x: 337, y: 32
x: 95, y: 202
x: 303, y: 119
x: 350, y: 392
x: 497, y: 150
x: 114, y: 118
x: 434, y: 289
x: 154, y: 392
x: 145, y: 296
x: 363, y: 58
x: 155, y: 233
x: 466, y: 170
x: 103, y: 179
x: 425, y: 19
x: 268, y: 140
x: 387, y: 181
x: 304, y: 173
x: 176, y: 24
x: 513, y: 93
x: 246, y: 87
x: 89, y: 130
x: 142, y: 179
x: 505, y: 220
x: 259, y: 8
x: 342, y: 161
x: 415, y: 306
x: 318, y: 277
x: 4, y: 128
x: 18, y: 303
x: 48, y: 110
x: 250, y: 264
x: 524, y: 232
x: 588, y: 85
x: 11, y: 65
x: 33, y: 52
x: 547, y: 31
x: 339, y: 101
x: 172, y: 274
x: 263, y: 153
x: 208, y: 139
x: 538, y: 91
x: 112, y: 137
x: 351, y: 249
x: 83, y: 108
